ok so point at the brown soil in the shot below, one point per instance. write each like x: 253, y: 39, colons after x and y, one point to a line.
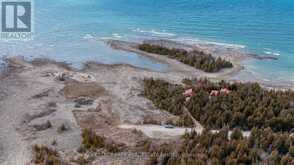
x: 76, y: 89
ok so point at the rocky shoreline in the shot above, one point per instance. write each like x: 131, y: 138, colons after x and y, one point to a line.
x: 41, y: 96
x: 237, y: 57
x: 50, y: 103
x: 176, y: 66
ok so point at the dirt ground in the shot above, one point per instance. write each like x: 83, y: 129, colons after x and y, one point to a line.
x: 38, y: 99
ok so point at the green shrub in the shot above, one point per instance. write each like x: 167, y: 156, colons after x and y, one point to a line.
x: 82, y: 160
x: 93, y: 141
x: 199, y: 60
x: 45, y: 156
x: 291, y: 151
x: 62, y: 128
x: 236, y: 134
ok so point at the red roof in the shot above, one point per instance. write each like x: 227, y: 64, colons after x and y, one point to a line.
x: 225, y: 90
x: 188, y: 92
x: 214, y: 93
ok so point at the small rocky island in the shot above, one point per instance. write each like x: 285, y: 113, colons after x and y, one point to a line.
x: 197, y: 59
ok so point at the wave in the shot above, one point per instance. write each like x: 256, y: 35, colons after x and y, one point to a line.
x: 154, y: 32
x: 88, y: 36
x: 197, y: 41
x: 270, y: 52
x: 106, y: 38
x: 116, y: 35
x: 171, y: 36
x: 113, y: 36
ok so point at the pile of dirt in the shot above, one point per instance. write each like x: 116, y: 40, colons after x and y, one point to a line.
x: 74, y: 90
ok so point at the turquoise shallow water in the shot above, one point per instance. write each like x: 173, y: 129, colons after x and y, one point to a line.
x: 70, y: 30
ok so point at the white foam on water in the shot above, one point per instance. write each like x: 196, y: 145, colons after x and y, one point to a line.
x: 162, y: 34
x: 265, y: 79
x: 276, y: 54
x: 272, y: 53
x: 112, y: 37
x: 267, y: 52
x: 154, y: 32
x: 106, y: 38
x: 116, y: 35
x: 88, y: 36
x: 197, y: 41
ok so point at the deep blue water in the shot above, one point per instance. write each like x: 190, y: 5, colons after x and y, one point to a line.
x: 70, y: 30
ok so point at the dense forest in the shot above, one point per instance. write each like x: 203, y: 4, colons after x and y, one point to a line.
x: 263, y: 146
x: 242, y: 105
x: 199, y: 60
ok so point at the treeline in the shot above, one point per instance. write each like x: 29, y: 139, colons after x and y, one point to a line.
x: 246, y: 106
x: 92, y: 141
x: 199, y: 60
x: 263, y: 146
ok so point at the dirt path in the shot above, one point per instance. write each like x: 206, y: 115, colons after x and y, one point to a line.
x: 158, y: 131
x: 161, y: 132
x: 197, y: 125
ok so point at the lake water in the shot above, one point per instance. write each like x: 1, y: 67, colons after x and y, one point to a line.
x: 71, y: 30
